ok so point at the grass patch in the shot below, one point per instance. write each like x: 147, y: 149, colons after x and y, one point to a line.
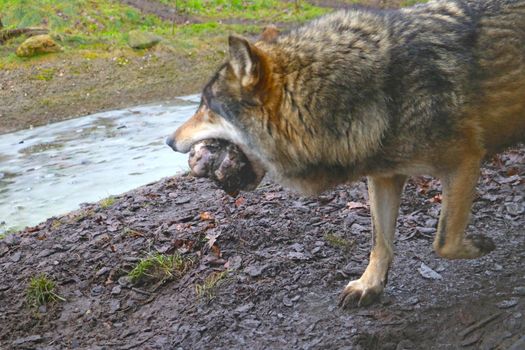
x: 44, y: 74
x: 206, y: 290
x: 338, y: 242
x: 4, y: 232
x: 82, y: 214
x: 42, y: 290
x: 107, y: 202
x: 158, y: 267
x: 267, y: 10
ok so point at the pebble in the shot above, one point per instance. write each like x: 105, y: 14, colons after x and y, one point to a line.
x: 15, y: 257
x: 96, y: 290
x: 103, y: 271
x: 124, y: 281
x: 235, y: 262
x: 497, y: 267
x: 520, y: 291
x: 431, y: 223
x: 42, y: 309
x: 413, y: 301
x: 505, y: 304
x: 244, y: 308
x: 116, y: 290
x: 45, y: 252
x: 30, y: 339
x: 515, y: 208
x: 297, y: 256
x: 254, y: 270
x: 428, y: 273
x: 114, y: 305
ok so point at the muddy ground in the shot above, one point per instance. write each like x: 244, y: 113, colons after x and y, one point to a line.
x: 287, y: 258
x: 283, y: 258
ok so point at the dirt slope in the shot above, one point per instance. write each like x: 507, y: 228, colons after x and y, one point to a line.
x: 286, y: 268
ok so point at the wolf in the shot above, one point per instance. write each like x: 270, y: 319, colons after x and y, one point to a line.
x: 431, y: 89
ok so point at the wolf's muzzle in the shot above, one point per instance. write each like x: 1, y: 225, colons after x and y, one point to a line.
x: 170, y: 141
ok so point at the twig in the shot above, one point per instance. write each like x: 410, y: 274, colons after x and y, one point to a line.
x: 478, y: 325
x: 141, y: 291
x: 6, y: 34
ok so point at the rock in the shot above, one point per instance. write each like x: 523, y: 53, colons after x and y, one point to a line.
x: 428, y: 273
x: 235, y: 262
x: 255, y: 271
x: 102, y: 271
x: 515, y: 208
x: 519, y: 291
x: 114, y: 305
x: 505, y: 304
x: 30, y: 339
x: 36, y: 45
x: 142, y: 40
x: 15, y: 257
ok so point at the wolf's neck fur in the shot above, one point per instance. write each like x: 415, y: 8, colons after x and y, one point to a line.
x: 329, y: 78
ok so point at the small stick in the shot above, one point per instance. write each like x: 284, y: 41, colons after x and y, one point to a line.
x: 478, y: 325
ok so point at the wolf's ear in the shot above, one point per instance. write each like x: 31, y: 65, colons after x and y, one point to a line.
x: 245, y: 61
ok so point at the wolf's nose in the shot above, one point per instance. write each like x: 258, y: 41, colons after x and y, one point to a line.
x: 170, y: 141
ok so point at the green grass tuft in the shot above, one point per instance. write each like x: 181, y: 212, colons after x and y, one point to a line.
x: 206, y: 290
x: 338, y: 242
x: 42, y: 290
x: 107, y: 202
x: 159, y: 267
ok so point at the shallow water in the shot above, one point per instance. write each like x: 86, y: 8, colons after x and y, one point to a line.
x: 50, y: 170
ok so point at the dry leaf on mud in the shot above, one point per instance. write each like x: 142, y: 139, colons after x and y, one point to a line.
x: 216, y: 250
x: 206, y: 216
x: 239, y: 201
x: 355, y: 205
x: 436, y: 199
x: 212, y: 237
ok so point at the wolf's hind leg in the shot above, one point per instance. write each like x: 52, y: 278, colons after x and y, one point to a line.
x: 384, y: 193
x: 458, y: 193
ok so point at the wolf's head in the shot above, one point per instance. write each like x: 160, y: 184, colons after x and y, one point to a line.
x: 237, y: 105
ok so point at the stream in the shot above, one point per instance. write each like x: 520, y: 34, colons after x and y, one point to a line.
x: 52, y: 169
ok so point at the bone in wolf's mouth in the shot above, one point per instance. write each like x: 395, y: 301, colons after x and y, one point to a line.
x: 225, y: 163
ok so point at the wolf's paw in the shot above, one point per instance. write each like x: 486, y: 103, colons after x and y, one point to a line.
x: 473, y: 246
x: 358, y: 294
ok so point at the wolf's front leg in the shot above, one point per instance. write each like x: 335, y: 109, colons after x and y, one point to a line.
x: 384, y: 193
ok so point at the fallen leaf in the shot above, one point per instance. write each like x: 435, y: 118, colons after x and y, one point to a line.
x: 355, y: 205
x: 216, y: 250
x: 240, y: 201
x: 436, y: 199
x: 212, y: 237
x: 206, y: 216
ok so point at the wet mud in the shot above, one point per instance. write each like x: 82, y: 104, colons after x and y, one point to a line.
x: 281, y: 259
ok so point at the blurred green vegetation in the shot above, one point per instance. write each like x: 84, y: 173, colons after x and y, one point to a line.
x: 94, y: 28
x: 267, y: 10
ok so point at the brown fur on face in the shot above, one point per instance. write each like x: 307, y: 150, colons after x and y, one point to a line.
x: 430, y: 89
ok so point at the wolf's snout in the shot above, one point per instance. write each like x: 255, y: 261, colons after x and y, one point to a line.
x: 170, y: 141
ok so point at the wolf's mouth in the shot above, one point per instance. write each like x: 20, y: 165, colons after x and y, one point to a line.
x: 227, y: 164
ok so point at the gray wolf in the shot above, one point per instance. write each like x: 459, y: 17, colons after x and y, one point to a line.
x: 431, y: 89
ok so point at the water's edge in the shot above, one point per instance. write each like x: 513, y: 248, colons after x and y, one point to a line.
x: 50, y: 170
